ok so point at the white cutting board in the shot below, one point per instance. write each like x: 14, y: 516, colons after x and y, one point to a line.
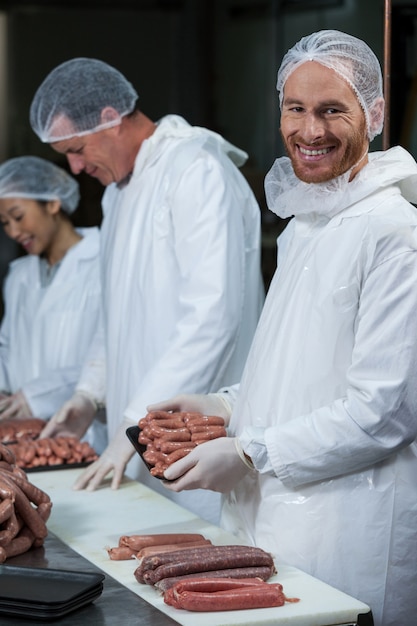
x: 89, y: 522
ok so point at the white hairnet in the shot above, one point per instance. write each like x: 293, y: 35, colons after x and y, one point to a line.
x: 37, y: 179
x: 352, y: 59
x: 71, y: 99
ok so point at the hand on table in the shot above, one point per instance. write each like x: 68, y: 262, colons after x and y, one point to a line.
x: 114, y: 458
x: 72, y: 419
x: 207, y: 404
x: 14, y: 406
x: 217, y: 465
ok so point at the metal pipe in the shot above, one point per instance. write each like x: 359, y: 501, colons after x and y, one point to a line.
x: 387, y: 74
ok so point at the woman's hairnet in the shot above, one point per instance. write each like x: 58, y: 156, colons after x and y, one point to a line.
x: 80, y: 97
x: 352, y: 59
x: 37, y: 179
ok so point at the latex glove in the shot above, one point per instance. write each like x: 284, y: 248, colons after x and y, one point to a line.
x: 217, y: 465
x: 15, y: 406
x: 114, y: 458
x: 207, y: 404
x: 73, y: 418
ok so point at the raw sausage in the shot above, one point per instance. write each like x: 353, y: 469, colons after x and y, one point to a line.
x: 264, y: 573
x: 253, y: 597
x: 137, y: 542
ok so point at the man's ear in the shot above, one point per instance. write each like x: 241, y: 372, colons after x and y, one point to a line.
x: 108, y: 115
x: 376, y: 114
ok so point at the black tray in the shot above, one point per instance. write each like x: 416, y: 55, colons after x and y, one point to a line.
x: 45, y: 612
x: 50, y: 468
x: 36, y: 587
x: 133, y: 434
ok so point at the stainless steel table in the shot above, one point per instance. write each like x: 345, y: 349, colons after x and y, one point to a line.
x: 117, y: 606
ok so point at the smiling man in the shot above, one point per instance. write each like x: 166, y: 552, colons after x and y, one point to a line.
x: 320, y: 466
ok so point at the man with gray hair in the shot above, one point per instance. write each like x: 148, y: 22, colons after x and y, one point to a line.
x: 320, y: 464
x: 180, y: 259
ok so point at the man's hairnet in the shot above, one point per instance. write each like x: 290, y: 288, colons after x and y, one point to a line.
x: 73, y: 98
x: 352, y: 59
x: 37, y: 179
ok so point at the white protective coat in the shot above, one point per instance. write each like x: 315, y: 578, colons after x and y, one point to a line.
x: 181, y: 281
x: 332, y: 377
x: 46, y: 331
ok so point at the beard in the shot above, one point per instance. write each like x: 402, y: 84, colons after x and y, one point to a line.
x: 356, y: 147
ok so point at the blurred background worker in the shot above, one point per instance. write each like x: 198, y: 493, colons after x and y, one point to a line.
x: 180, y: 258
x: 320, y: 467
x: 51, y: 295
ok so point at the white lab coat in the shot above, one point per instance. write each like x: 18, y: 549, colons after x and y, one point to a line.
x: 181, y: 280
x: 45, y: 331
x: 332, y: 377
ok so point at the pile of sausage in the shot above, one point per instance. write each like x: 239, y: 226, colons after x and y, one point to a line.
x: 170, y: 436
x: 22, y: 429
x: 195, y: 575
x: 24, y: 509
x: 50, y: 451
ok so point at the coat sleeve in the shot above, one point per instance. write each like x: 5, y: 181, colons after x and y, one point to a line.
x: 92, y: 379
x: 376, y: 417
x: 208, y: 226
x: 46, y: 394
x: 4, y: 347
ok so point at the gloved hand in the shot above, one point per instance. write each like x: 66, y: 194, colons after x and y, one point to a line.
x: 207, y: 404
x: 14, y: 406
x: 217, y: 464
x: 73, y: 418
x: 115, y: 457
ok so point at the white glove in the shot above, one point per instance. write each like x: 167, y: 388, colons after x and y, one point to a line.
x: 73, y: 418
x: 14, y: 406
x: 217, y: 464
x: 114, y: 458
x: 207, y: 404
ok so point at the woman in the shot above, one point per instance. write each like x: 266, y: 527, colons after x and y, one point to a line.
x: 51, y: 295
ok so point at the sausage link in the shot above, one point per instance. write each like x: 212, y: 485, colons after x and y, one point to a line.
x: 6, y: 493
x: 209, y: 584
x: 5, y: 538
x: 24, y: 508
x: 120, y: 553
x: 13, y: 524
x: 33, y: 493
x: 6, y: 509
x: 193, y: 560
x: 20, y: 544
x: 208, y: 434
x: 7, y: 455
x: 210, y: 420
x: 178, y: 454
x: 177, y: 434
x: 197, y: 427
x: 171, y: 446
x: 153, y: 550
x: 254, y: 597
x: 263, y: 573
x: 137, y: 542
x: 60, y: 449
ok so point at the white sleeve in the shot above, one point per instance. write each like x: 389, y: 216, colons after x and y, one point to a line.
x: 92, y: 380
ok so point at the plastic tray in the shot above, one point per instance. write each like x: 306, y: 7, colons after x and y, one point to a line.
x: 40, y: 588
x: 133, y: 434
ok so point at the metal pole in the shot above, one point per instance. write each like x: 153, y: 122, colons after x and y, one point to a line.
x: 387, y: 73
